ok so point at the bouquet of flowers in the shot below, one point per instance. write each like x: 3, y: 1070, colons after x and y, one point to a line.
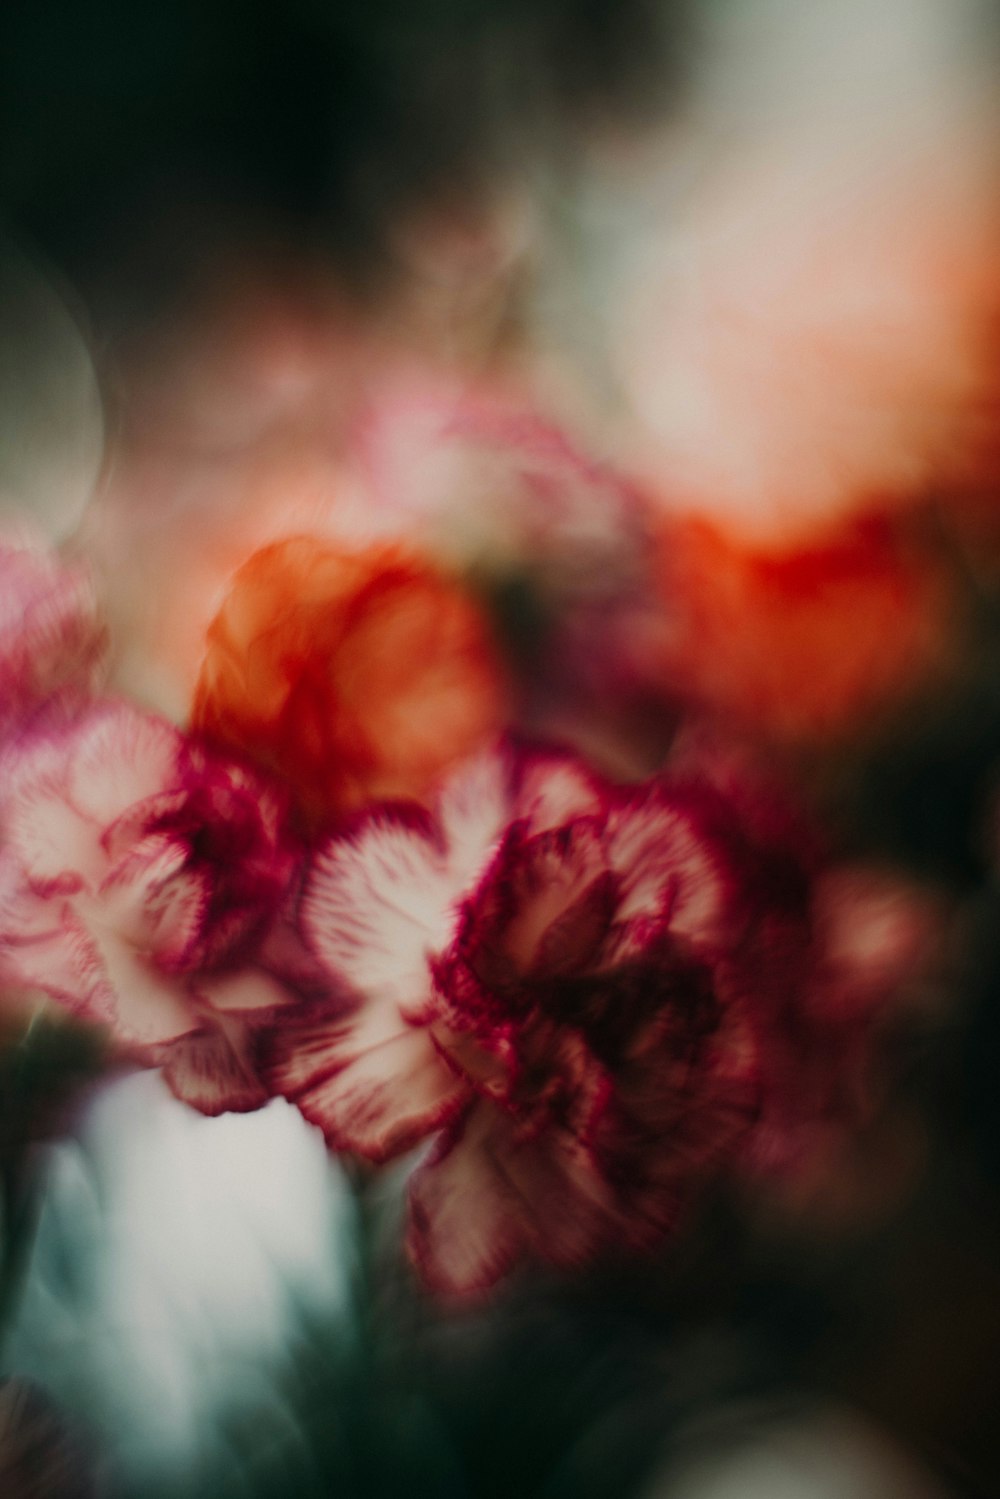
x: 513, y: 798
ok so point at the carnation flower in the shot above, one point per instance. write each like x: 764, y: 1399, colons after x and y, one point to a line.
x: 805, y: 643
x: 352, y: 674
x: 598, y: 998
x: 50, y: 636
x: 139, y: 876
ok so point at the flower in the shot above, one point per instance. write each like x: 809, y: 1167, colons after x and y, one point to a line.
x: 352, y: 674
x: 139, y: 876
x: 597, y: 997
x: 50, y: 635
x: 359, y: 1062
x: 807, y: 643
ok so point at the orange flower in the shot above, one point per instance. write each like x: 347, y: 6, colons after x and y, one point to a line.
x: 806, y: 643
x: 352, y: 674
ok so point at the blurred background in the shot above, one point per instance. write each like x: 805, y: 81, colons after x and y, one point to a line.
x: 743, y: 255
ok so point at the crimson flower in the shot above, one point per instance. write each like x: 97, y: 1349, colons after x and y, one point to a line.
x: 140, y: 874
x: 597, y: 998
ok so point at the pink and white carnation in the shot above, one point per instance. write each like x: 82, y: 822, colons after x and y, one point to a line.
x: 596, y: 997
x: 140, y: 877
x: 51, y: 639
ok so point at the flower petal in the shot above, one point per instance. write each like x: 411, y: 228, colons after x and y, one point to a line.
x: 120, y: 757
x: 50, y: 636
x: 250, y: 992
x: 542, y: 908
x: 151, y: 900
x: 568, y: 1204
x: 472, y: 810
x: 376, y: 1101
x: 54, y: 845
x: 466, y: 1228
x: 212, y: 1071
x: 563, y: 896
x: 377, y: 903
x: 149, y: 1007
x: 669, y: 867
x: 45, y: 946
x: 554, y: 787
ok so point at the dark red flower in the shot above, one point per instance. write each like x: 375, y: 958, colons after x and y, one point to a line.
x: 604, y: 969
x: 600, y: 996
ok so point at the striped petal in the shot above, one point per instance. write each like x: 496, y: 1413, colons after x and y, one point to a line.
x: 377, y: 903
x: 375, y: 1100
